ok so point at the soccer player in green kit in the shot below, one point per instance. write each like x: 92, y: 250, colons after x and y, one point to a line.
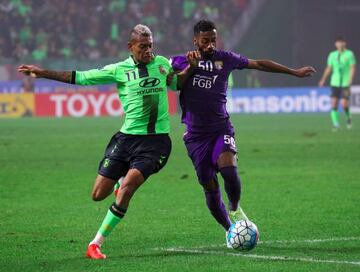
x: 341, y: 66
x: 142, y: 146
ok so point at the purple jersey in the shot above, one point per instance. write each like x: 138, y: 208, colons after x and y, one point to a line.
x: 203, y: 98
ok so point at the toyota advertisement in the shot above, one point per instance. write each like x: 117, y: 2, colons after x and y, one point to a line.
x: 53, y: 99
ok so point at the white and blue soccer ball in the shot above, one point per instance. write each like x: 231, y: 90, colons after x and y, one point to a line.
x: 243, y: 235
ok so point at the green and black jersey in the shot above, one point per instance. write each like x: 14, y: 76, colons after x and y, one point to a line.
x: 142, y: 91
x: 341, y: 63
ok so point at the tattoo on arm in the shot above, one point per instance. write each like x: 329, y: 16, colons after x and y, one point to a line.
x: 271, y: 66
x: 63, y: 76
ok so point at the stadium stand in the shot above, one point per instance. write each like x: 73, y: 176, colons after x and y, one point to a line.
x: 90, y: 29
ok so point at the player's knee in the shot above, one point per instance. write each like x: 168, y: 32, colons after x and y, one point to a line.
x: 210, y: 186
x: 97, y: 195
x: 227, y: 159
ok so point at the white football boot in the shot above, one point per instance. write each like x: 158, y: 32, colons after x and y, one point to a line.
x: 227, y: 241
x: 237, y: 215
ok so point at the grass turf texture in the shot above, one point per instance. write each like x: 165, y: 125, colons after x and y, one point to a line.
x: 300, y: 181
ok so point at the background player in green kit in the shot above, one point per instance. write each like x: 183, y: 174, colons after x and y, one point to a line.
x: 341, y: 66
x: 142, y: 146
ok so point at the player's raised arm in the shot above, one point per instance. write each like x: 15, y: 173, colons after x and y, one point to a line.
x: 274, y: 67
x: 193, y: 58
x: 37, y: 72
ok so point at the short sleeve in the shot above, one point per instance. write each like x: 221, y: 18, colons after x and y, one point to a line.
x: 170, y: 70
x: 238, y: 62
x: 352, y: 59
x: 329, y: 60
x: 105, y: 75
x: 167, y: 63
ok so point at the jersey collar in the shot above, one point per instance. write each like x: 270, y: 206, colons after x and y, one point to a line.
x: 135, y: 63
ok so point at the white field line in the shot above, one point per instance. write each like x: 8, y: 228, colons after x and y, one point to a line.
x: 200, y: 250
x: 255, y: 256
x: 334, y: 239
x: 314, y: 241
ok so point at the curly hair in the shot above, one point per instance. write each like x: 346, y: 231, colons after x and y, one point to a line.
x: 203, y: 26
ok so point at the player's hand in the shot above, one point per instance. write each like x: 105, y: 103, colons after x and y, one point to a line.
x: 321, y: 83
x: 305, y: 71
x: 193, y: 58
x: 30, y: 70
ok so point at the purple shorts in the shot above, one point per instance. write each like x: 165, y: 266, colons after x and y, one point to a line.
x: 205, y: 149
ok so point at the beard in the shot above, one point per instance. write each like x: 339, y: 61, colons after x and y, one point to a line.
x: 206, y: 55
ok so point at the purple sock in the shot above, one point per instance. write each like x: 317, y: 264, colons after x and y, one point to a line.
x: 232, y: 186
x: 217, y: 208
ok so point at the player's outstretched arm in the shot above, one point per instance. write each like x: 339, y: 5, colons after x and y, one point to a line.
x: 273, y: 67
x: 37, y: 72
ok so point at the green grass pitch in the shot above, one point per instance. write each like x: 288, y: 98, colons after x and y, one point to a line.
x: 301, y: 186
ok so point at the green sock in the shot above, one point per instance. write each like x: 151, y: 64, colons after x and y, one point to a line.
x: 109, y: 223
x: 118, y: 183
x: 347, y: 113
x: 116, y: 186
x: 335, y: 117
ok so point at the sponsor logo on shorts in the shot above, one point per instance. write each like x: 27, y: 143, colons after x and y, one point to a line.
x: 106, y: 163
x: 162, y: 159
x: 113, y: 150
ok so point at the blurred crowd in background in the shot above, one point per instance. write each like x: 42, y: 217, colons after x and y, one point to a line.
x: 83, y: 34
x: 36, y: 30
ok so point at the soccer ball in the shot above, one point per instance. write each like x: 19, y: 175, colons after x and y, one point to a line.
x: 243, y: 235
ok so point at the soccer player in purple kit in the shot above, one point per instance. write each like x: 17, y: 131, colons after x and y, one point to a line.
x: 209, y: 136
